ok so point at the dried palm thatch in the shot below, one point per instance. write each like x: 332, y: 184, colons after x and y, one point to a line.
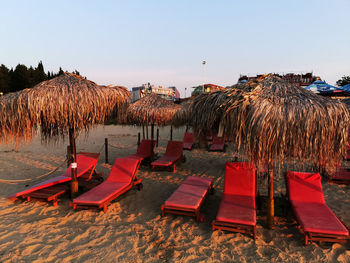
x: 57, y: 105
x: 183, y: 116
x: 277, y: 120
x: 151, y: 109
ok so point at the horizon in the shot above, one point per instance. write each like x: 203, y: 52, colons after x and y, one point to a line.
x: 129, y: 44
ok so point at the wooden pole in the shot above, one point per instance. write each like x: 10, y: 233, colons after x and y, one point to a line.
x: 138, y: 140
x: 143, y: 132
x: 74, y: 183
x: 147, y: 131
x: 171, y: 132
x: 157, y: 136
x: 106, y: 150
x: 270, y: 202
x: 152, y: 132
x: 69, y: 155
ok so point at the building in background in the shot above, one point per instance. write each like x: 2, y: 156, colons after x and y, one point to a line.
x: 170, y: 93
x: 205, y: 88
x: 301, y: 80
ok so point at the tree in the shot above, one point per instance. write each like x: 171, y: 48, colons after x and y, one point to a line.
x: 4, y: 79
x: 76, y: 72
x: 343, y: 81
x: 19, y: 78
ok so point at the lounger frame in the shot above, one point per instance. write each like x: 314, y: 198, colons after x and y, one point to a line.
x: 235, y: 227
x: 172, y: 166
x: 171, y: 209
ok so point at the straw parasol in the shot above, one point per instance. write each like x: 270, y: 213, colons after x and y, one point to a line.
x: 152, y: 109
x: 277, y: 120
x: 64, y: 105
x: 183, y: 116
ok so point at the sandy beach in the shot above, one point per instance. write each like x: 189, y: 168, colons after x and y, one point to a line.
x: 132, y: 230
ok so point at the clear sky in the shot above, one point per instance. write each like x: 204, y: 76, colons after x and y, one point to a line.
x: 164, y: 42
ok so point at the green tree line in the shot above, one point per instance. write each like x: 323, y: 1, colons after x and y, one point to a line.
x: 23, y: 77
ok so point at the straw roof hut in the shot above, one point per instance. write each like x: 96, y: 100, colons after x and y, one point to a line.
x: 277, y: 120
x: 151, y: 109
x: 57, y: 105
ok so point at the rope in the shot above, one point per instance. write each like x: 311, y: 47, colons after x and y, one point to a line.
x: 10, y: 181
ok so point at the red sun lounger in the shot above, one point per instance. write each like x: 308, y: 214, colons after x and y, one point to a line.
x: 121, y: 179
x: 317, y: 221
x: 51, y: 189
x: 145, y: 150
x: 173, y: 155
x: 218, y: 144
x: 237, y: 211
x: 188, y: 198
x: 188, y: 141
x: 340, y: 176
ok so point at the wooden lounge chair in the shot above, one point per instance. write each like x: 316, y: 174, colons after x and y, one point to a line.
x: 188, y: 140
x: 218, y: 144
x: 172, y: 156
x: 51, y: 189
x: 121, y: 179
x: 317, y: 221
x: 145, y: 151
x: 237, y: 211
x: 340, y: 176
x: 188, y: 198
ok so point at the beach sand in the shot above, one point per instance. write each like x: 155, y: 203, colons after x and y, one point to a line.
x: 132, y: 230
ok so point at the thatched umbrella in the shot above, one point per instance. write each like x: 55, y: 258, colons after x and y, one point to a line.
x: 183, y: 116
x: 65, y: 104
x: 152, y: 109
x: 277, y: 120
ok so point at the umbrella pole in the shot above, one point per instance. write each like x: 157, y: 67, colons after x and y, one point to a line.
x: 270, y: 202
x: 152, y: 132
x: 147, y: 131
x: 171, y: 132
x: 143, y: 132
x: 74, y: 182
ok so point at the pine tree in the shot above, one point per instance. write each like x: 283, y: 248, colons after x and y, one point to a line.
x: 19, y: 78
x: 4, y: 79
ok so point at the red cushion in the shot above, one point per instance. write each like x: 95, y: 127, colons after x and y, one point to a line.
x: 188, y: 145
x: 172, y: 154
x: 199, y: 181
x: 146, y: 148
x: 237, y: 209
x: 123, y: 170
x: 239, y: 179
x: 101, y: 193
x: 218, y: 144
x: 187, y: 196
x: 189, y: 137
x: 317, y: 217
x: 84, y: 163
x: 305, y: 187
x: 341, y: 174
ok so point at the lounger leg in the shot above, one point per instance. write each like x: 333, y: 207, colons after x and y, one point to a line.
x: 54, y: 203
x: 162, y: 209
x: 174, y: 168
x: 254, y: 232
x: 306, y: 242
x: 104, y: 208
x: 213, y: 225
x: 28, y: 198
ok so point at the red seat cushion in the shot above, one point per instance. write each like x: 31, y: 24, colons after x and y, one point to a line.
x: 99, y: 194
x: 188, y: 140
x: 317, y: 217
x: 237, y: 209
x: 218, y: 144
x: 123, y: 170
x: 172, y: 154
x: 239, y: 179
x: 200, y: 181
x: 187, y: 196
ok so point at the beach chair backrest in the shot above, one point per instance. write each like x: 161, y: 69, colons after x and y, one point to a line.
x: 84, y: 163
x: 123, y: 170
x: 239, y: 179
x: 174, y: 148
x: 146, y: 147
x: 305, y: 187
x: 218, y: 140
x: 188, y: 137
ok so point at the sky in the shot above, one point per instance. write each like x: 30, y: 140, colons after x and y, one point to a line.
x: 164, y: 42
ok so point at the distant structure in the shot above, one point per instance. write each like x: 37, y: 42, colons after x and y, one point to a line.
x: 205, y: 88
x: 301, y: 80
x: 170, y: 93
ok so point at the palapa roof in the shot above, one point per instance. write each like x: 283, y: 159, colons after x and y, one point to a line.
x: 277, y: 120
x: 56, y: 105
x: 151, y: 109
x: 183, y: 116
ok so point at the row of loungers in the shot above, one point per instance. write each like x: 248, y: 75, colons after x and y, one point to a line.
x: 218, y: 143
x: 237, y: 210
